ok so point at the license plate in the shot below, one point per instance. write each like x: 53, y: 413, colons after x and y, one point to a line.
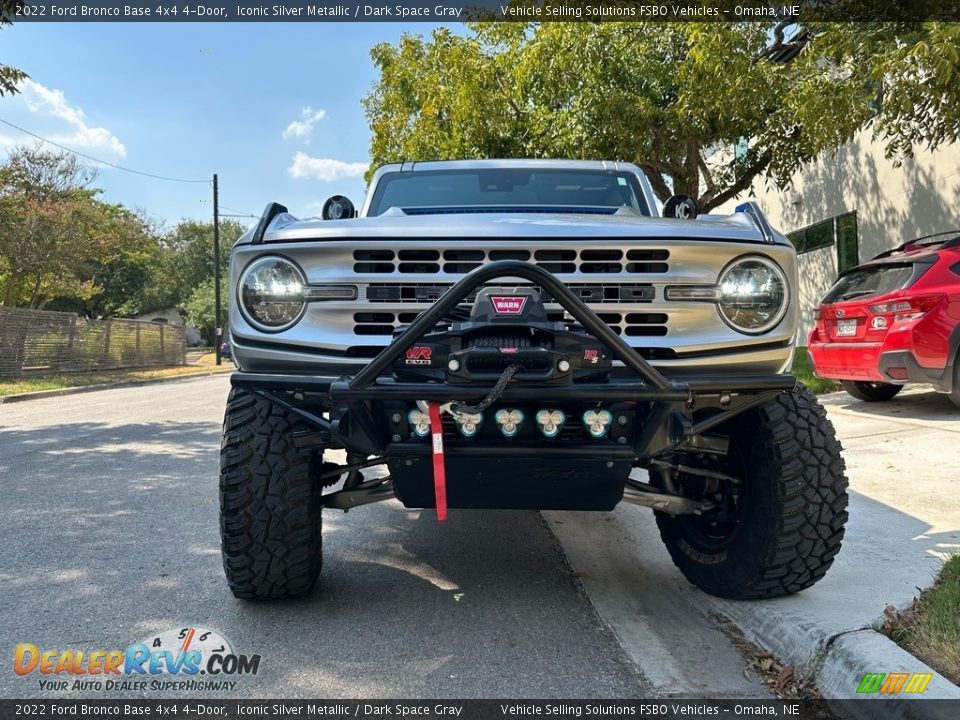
x: 846, y: 328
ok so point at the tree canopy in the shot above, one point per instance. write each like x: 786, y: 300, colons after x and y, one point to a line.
x: 10, y: 77
x: 703, y: 108
x: 62, y: 247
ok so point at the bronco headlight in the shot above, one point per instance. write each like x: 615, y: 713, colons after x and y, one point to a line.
x: 271, y: 293
x: 752, y: 295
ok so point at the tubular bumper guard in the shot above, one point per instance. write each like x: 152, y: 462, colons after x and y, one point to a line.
x: 667, y: 424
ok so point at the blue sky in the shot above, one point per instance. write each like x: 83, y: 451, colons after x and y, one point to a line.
x: 273, y: 108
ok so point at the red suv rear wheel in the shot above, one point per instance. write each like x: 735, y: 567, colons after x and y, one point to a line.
x: 871, y: 391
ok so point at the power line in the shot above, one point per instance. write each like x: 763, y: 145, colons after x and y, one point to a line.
x: 98, y: 160
x: 240, y: 213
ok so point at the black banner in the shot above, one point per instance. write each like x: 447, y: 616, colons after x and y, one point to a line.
x: 469, y: 10
x: 695, y: 709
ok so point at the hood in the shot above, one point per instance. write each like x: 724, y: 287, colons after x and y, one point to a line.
x: 735, y: 227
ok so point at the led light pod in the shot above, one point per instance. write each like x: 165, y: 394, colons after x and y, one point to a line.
x: 550, y: 421
x: 468, y: 423
x: 419, y: 422
x: 509, y: 421
x: 597, y: 422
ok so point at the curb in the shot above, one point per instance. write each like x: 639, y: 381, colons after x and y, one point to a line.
x: 41, y: 394
x: 837, y: 662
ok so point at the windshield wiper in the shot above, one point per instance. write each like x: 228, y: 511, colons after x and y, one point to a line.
x: 856, y: 293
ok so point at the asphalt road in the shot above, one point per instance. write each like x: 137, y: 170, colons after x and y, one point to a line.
x: 109, y: 535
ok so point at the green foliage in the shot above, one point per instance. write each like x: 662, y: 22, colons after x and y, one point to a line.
x: 60, y: 246
x: 909, y: 71
x: 186, y: 259
x: 930, y: 629
x: 199, y: 308
x: 674, y: 98
x: 804, y: 371
x: 10, y: 77
x: 63, y: 248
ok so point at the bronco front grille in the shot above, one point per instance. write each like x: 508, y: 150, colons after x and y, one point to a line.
x: 556, y: 260
x: 591, y: 293
x: 631, y: 324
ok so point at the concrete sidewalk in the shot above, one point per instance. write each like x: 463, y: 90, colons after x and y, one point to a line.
x: 903, y: 461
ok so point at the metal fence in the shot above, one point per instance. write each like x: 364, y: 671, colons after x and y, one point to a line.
x: 35, y: 342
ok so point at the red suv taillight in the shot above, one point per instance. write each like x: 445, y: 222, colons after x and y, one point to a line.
x: 908, y: 308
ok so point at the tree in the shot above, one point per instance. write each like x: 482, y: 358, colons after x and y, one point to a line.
x: 199, y: 308
x: 186, y: 260
x: 704, y: 108
x: 49, y: 223
x: 911, y: 73
x: 122, y: 275
x: 10, y: 77
x: 61, y: 246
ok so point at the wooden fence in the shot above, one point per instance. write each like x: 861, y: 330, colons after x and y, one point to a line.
x: 34, y: 342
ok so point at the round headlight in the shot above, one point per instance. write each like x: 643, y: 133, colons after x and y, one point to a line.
x: 271, y: 293
x: 753, y: 295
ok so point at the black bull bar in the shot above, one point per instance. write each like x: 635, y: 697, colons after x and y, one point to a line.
x: 668, y: 424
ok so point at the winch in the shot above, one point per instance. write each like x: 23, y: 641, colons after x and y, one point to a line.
x: 505, y: 327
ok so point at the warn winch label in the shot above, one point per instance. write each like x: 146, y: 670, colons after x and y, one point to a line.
x: 508, y: 304
x: 419, y: 355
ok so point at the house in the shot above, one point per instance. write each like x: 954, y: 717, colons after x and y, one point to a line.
x: 172, y: 317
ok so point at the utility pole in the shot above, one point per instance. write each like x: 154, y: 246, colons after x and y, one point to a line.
x: 218, y: 314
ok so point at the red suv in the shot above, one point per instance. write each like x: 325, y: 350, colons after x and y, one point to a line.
x: 894, y: 320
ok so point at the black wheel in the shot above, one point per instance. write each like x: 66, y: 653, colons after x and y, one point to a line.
x: 269, y: 503
x: 955, y: 390
x: 871, y: 391
x: 777, y: 531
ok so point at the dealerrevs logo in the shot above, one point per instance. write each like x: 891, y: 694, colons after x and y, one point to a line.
x: 186, y: 652
x: 508, y: 304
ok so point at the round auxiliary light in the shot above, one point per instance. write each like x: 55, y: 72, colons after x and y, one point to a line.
x: 550, y: 421
x: 753, y: 295
x: 271, y: 293
x: 509, y: 421
x: 468, y: 423
x: 596, y: 422
x: 419, y: 422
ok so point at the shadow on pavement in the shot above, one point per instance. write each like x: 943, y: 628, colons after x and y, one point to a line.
x: 111, y: 534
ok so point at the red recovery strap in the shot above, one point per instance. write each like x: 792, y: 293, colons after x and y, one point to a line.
x: 439, y: 474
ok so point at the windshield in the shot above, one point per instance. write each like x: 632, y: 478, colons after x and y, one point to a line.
x: 506, y: 189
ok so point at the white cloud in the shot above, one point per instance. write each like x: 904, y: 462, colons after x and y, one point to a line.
x: 302, y: 128
x: 327, y: 169
x: 77, y: 134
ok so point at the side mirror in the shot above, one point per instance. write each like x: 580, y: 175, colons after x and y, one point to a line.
x: 338, y: 207
x: 682, y: 207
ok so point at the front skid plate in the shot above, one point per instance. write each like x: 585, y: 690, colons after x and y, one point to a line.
x: 513, y: 483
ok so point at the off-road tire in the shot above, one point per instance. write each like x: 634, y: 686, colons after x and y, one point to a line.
x: 794, y: 505
x: 871, y: 391
x: 269, y: 503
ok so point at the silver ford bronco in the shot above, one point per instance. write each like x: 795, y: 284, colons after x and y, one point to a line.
x: 525, y: 334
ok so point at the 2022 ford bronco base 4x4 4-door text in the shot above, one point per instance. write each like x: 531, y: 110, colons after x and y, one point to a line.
x: 525, y: 334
